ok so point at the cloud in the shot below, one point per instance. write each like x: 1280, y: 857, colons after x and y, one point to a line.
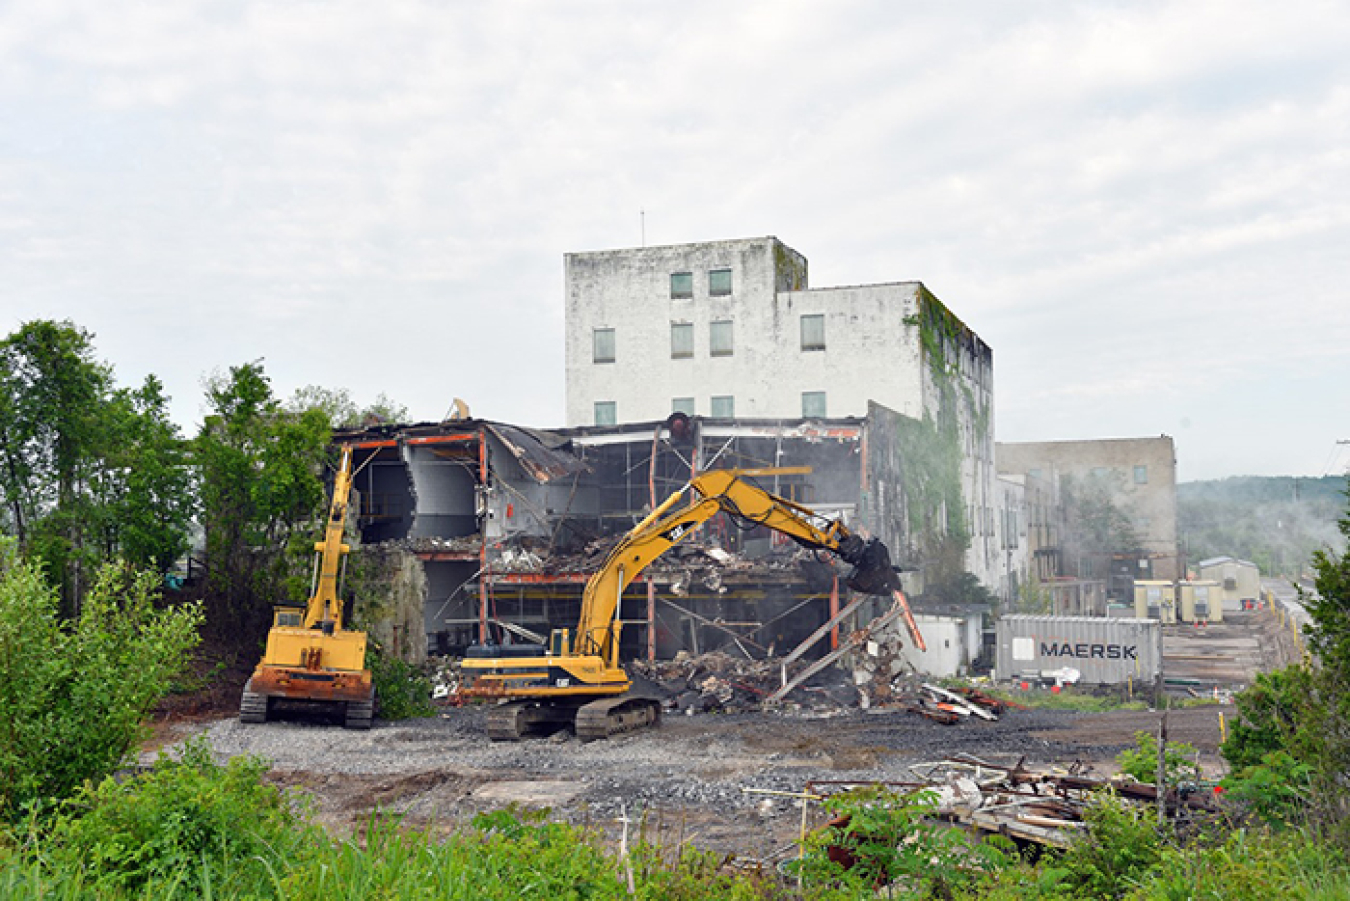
x: 379, y: 196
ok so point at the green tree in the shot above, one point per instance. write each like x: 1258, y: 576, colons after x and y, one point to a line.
x: 147, y: 485
x: 341, y: 411
x: 53, y: 393
x: 89, y: 473
x: 261, y: 492
x: 75, y: 693
x: 1303, y: 712
x: 1327, y: 709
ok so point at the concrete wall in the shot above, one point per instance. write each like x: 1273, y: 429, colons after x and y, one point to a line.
x: 872, y: 348
x: 1010, y: 523
x: 1151, y: 504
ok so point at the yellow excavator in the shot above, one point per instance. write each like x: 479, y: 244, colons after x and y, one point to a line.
x: 577, y: 680
x: 310, y: 657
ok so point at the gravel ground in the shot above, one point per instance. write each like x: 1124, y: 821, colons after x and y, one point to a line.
x: 686, y: 779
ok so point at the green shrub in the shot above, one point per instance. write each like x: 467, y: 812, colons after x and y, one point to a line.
x: 882, y: 838
x: 1276, y: 790
x: 75, y: 694
x: 188, y: 823
x: 1141, y: 761
x: 1121, y: 846
x: 402, y: 690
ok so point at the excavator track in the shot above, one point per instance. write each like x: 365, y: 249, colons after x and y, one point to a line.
x: 621, y: 713
x: 514, y: 720
x: 360, y: 713
x: 253, y: 706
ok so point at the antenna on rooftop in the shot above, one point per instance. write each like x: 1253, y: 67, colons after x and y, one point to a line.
x: 642, y: 217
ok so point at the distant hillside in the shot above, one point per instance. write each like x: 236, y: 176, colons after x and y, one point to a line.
x: 1275, y: 522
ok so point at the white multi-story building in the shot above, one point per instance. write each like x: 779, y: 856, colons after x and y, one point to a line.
x: 732, y: 330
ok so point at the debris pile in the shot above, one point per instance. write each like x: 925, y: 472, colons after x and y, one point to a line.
x: 719, y: 682
x: 1031, y: 807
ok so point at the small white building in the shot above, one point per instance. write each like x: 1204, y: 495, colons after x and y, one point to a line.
x: 1239, y: 580
x: 953, y: 640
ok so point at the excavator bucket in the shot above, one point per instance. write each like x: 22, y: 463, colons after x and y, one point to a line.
x: 872, y: 570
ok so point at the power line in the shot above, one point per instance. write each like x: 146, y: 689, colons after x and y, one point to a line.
x: 1335, y: 453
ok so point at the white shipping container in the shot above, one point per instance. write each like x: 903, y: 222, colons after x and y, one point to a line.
x: 1105, y: 651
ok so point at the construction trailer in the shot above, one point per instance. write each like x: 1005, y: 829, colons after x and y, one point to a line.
x: 1156, y: 599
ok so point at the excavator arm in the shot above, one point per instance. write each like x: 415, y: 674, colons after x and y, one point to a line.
x: 717, y: 491
x: 324, y: 606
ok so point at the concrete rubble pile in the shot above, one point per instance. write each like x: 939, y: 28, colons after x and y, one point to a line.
x: 693, y: 565
x: 723, y: 683
x: 717, y: 682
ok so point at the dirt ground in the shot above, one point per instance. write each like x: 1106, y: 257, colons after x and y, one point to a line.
x: 693, y: 779
x: 708, y: 779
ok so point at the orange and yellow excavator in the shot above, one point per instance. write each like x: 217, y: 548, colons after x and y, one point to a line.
x: 310, y: 657
x: 577, y: 680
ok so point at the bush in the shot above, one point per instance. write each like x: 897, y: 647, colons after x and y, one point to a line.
x: 1141, y: 761
x: 1276, y: 790
x: 1121, y: 846
x: 75, y: 694
x: 188, y: 824
x: 401, y: 689
x: 879, y: 838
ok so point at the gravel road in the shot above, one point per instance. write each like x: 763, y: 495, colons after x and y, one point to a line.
x: 687, y: 778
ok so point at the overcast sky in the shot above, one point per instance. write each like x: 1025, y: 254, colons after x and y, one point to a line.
x: 1143, y: 207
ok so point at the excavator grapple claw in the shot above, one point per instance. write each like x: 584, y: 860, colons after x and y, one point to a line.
x: 872, y: 570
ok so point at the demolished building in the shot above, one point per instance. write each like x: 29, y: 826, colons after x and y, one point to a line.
x: 500, y: 526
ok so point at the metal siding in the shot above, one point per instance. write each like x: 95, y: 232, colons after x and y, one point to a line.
x: 1073, y: 641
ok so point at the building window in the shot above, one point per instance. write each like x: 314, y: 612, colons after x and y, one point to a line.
x: 1141, y: 475
x: 683, y: 405
x: 813, y: 332
x: 813, y: 404
x: 724, y: 406
x: 681, y: 340
x: 719, y: 338
x: 604, y: 345
x: 606, y: 412
x: 681, y: 285
x: 719, y: 282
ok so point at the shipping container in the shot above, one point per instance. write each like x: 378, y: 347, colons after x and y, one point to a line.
x: 1104, y: 651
